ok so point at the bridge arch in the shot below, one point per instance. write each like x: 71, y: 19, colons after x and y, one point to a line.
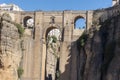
x: 52, y: 39
x: 28, y: 22
x: 79, y: 22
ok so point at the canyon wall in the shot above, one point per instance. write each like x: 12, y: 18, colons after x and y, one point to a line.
x: 10, y: 49
x: 99, y: 49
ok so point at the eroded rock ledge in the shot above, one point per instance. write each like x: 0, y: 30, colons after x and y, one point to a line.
x: 10, y: 49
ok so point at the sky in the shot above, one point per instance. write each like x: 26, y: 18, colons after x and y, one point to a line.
x: 49, y: 5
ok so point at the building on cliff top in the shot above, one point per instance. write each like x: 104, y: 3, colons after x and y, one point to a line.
x: 10, y: 7
x: 115, y: 2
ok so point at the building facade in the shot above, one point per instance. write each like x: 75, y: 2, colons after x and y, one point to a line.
x: 10, y: 7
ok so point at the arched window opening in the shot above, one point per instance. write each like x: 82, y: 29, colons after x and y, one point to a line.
x: 80, y: 23
x: 28, y: 22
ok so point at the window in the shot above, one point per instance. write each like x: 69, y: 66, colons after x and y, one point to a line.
x: 80, y: 23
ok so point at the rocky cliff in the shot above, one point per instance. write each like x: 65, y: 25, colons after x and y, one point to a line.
x: 99, y: 50
x: 52, y: 58
x: 10, y: 49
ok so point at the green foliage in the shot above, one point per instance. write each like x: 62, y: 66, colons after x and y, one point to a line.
x: 81, y: 41
x: 20, y: 29
x: 58, y: 75
x: 55, y: 54
x: 54, y: 39
x: 22, y: 45
x: 95, y: 23
x: 48, y: 38
x: 20, y: 72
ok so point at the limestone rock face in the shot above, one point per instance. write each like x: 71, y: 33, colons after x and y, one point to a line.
x: 51, y: 62
x: 111, y: 66
x: 99, y: 58
x: 10, y: 51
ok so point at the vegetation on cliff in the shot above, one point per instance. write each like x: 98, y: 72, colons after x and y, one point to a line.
x: 20, y: 72
x: 20, y: 29
x: 82, y: 40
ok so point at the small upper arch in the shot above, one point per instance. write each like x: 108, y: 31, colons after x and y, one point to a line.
x: 28, y: 22
x: 79, y: 22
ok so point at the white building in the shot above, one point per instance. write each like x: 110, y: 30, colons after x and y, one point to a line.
x: 10, y: 7
x: 115, y: 2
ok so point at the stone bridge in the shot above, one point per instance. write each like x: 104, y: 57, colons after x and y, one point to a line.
x: 35, y: 44
x: 34, y: 55
x: 35, y: 49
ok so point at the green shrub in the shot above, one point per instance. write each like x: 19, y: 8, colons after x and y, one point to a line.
x: 95, y: 23
x: 58, y: 75
x: 54, y: 39
x: 20, y: 29
x: 81, y: 41
x: 48, y: 38
x: 20, y: 72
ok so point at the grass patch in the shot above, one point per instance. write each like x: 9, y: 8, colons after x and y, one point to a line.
x: 20, y: 29
x: 20, y: 72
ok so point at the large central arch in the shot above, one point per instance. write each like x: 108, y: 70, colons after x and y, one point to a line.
x: 52, y: 37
